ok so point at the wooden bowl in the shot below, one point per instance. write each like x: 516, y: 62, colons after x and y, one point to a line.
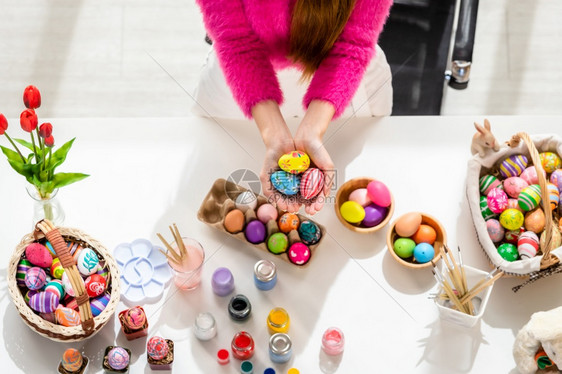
x: 343, y: 195
x: 410, y: 262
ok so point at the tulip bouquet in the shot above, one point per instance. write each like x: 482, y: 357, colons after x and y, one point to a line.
x: 38, y: 167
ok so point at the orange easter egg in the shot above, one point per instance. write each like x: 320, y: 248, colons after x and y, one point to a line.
x: 425, y: 234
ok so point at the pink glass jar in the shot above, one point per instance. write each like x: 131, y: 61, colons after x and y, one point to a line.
x: 333, y: 341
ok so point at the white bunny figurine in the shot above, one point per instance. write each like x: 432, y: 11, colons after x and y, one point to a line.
x: 483, y: 139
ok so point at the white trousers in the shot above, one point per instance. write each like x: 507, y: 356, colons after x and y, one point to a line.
x: 213, y: 97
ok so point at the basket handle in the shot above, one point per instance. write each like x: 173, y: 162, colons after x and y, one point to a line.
x: 547, y: 258
x: 82, y: 298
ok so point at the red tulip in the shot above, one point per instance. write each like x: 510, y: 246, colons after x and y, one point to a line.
x: 49, y: 141
x: 3, y: 124
x: 31, y: 97
x: 28, y: 120
x: 45, y: 130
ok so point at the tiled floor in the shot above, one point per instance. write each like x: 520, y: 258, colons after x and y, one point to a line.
x: 114, y: 59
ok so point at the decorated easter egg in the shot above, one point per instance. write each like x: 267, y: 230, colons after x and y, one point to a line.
x: 71, y: 303
x: 487, y: 182
x: 556, y: 179
x: 530, y: 197
x: 508, y: 252
x: 511, y: 236
x: 50, y: 317
x: 553, y: 195
x: 484, y: 209
x: 95, y: 285
x: 157, y: 348
x: 38, y: 255
x: 234, y: 221
x: 513, y: 166
x: 266, y: 213
x: 424, y: 234
x: 528, y: 245
x: 67, y: 285
x: 374, y: 215
x: 246, y: 200
x: 513, y: 204
x: 44, y: 302
x: 379, y: 193
x: 294, y: 162
x: 512, y: 219
x: 550, y: 161
x: 299, y: 254
x: 255, y: 231
x: 88, y: 262
x: 56, y: 268
x: 134, y: 318
x: 29, y: 294
x: 51, y: 249
x: 530, y: 175
x: 289, y: 222
x: 23, y: 266
x: 104, y: 272
x: 535, y: 221
x: 495, y: 230
x: 352, y: 212
x: 72, y: 360
x: 99, y: 304
x: 408, y: 224
x: 55, y: 286
x: 67, y: 317
x: 309, y: 232
x: 286, y: 183
x: 404, y: 247
x: 555, y: 240
x: 278, y: 243
x: 360, y: 196
x: 424, y: 252
x: 75, y: 249
x: 514, y: 185
x: 312, y: 182
x: 48, y: 278
x: 497, y: 200
x: 35, y: 278
x: 118, y: 358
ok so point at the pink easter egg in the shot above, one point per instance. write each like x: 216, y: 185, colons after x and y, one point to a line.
x: 528, y: 245
x: 38, y: 255
x: 514, y: 185
x: 35, y: 278
x: 157, y: 348
x: 312, y: 182
x: 513, y: 204
x: 530, y: 175
x: 360, y: 196
x: 267, y: 212
x: 299, y: 254
x: 379, y: 193
x: 497, y: 200
x: 495, y: 230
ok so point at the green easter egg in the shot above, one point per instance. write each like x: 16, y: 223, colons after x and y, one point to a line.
x: 404, y: 247
x: 485, y: 209
x: 278, y: 243
x: 352, y: 212
x: 508, y: 252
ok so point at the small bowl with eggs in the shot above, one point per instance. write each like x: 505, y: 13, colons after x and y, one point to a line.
x: 364, y: 205
x: 412, y: 240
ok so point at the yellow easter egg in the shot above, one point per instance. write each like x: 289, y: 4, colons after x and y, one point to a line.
x: 294, y: 162
x: 511, y: 219
x: 352, y: 212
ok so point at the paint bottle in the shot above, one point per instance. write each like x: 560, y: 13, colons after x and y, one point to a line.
x: 205, y: 327
x: 223, y: 357
x: 242, y: 346
x: 246, y: 367
x: 278, y: 321
x: 239, y: 308
x: 265, y: 275
x: 222, y: 282
x: 333, y: 341
x: 280, y: 348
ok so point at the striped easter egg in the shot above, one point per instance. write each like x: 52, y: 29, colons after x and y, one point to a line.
x: 485, y: 210
x: 550, y: 161
x: 528, y: 245
x: 530, y: 197
x: 553, y: 195
x: 512, y: 219
x: 29, y: 294
x: 51, y: 249
x: 487, y: 182
x: 75, y: 249
x: 99, y: 304
x: 104, y: 272
x: 513, y: 166
x: 497, y: 200
x: 35, y: 278
x: 556, y: 179
x: 56, y: 268
x: 44, y: 302
x: 67, y: 317
x: 23, y: 266
x: 312, y: 182
x: 55, y: 286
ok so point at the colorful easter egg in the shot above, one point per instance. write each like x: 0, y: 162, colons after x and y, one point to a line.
x: 67, y: 285
x: 497, y: 200
x: 514, y: 185
x: 72, y: 304
x: 278, y: 243
x: 309, y: 232
x: 23, y: 266
x: 555, y: 240
x: 535, y: 221
x: 528, y: 245
x: 246, y: 200
x: 379, y: 193
x: 51, y: 249
x: 424, y: 252
x: 289, y: 222
x: 134, y: 318
x: 286, y: 183
x: 511, y: 236
x: 294, y: 162
x: 157, y: 348
x: 513, y: 204
x: 118, y: 358
x: 38, y: 255
x: 29, y: 294
x: 55, y: 286
x: 72, y: 360
x: 104, y: 272
x: 67, y: 317
x: 312, y: 182
x: 404, y: 247
x: 530, y: 175
x: 234, y: 221
x: 408, y: 224
x: 487, y: 182
x: 424, y: 234
x: 553, y: 195
x: 88, y: 262
x: 56, y: 268
x: 495, y: 230
x: 513, y: 166
x: 484, y: 209
x: 512, y: 219
x: 352, y: 212
x: 35, y: 278
x: 255, y: 232
x: 50, y: 317
x: 360, y: 196
x: 44, y: 302
x: 299, y: 254
x: 266, y: 213
x: 95, y: 285
x: 75, y: 249
x: 530, y: 197
x: 556, y: 179
x: 374, y: 215
x: 99, y: 304
x: 508, y: 252
x: 550, y: 161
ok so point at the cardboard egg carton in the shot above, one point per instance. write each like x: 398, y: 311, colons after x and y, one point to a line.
x: 219, y: 202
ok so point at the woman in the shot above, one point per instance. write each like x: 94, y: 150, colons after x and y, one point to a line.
x: 331, y: 42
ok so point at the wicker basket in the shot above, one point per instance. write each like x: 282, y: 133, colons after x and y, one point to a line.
x: 90, y: 325
x: 547, y: 260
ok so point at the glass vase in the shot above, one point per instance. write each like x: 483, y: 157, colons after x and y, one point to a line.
x: 47, y: 207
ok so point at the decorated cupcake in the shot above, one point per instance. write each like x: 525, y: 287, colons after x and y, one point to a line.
x: 133, y: 322
x: 160, y: 353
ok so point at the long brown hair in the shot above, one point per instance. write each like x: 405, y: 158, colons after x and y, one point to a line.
x: 315, y: 26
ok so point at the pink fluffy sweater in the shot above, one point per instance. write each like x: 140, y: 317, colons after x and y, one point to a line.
x: 251, y: 39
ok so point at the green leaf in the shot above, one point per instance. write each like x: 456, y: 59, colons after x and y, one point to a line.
x: 64, y: 179
x: 26, y: 144
x: 11, y: 155
x: 60, y: 154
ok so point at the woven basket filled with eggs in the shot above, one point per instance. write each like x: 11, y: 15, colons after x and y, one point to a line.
x: 61, y: 281
x: 514, y: 196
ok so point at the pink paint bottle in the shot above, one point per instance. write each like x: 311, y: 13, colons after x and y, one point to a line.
x: 333, y: 341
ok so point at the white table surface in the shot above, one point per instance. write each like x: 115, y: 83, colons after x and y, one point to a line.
x: 149, y: 173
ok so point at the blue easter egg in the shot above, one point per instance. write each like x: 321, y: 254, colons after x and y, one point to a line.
x: 309, y: 232
x: 424, y: 252
x: 286, y: 183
